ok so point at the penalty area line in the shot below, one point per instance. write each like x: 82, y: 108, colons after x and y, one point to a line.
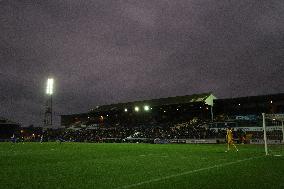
x: 187, y: 173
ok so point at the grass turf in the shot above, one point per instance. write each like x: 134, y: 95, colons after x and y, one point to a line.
x: 87, y: 165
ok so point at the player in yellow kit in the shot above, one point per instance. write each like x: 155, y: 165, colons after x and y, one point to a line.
x: 230, y: 139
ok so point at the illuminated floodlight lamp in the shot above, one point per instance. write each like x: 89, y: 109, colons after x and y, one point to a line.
x: 136, y: 109
x: 146, y: 108
x: 125, y: 109
x: 271, y: 101
x: 49, y: 87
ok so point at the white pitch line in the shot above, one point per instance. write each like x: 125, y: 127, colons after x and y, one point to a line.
x: 187, y: 173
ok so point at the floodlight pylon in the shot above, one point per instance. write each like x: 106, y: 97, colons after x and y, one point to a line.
x: 48, y: 118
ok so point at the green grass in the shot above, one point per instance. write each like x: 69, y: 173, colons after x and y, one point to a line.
x: 166, y: 166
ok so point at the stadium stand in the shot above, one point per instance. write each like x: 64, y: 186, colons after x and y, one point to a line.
x: 8, y: 128
x: 183, y: 119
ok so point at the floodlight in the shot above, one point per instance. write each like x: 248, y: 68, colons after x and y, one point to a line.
x: 271, y: 101
x: 136, y: 109
x: 125, y: 109
x: 49, y: 87
x: 146, y: 108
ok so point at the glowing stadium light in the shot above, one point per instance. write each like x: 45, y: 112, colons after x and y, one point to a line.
x: 239, y: 104
x: 271, y: 101
x: 49, y: 87
x: 164, y: 111
x: 146, y: 108
x: 177, y: 109
x: 125, y: 109
x: 136, y: 109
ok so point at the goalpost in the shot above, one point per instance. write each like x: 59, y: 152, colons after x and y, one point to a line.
x: 273, y: 133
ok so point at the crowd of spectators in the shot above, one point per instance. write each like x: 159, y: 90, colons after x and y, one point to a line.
x: 146, y: 133
x: 193, y: 129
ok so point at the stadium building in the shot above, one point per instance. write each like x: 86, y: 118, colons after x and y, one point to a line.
x: 250, y: 105
x: 245, y: 112
x: 163, y: 112
x: 8, y: 129
x: 147, y: 113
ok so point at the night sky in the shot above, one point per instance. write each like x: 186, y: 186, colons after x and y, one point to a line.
x: 102, y: 52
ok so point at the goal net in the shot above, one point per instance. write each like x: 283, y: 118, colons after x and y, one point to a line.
x: 273, y: 129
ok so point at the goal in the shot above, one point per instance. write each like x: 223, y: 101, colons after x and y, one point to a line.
x: 273, y: 129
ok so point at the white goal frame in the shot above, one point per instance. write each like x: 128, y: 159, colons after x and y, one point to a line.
x: 278, y: 117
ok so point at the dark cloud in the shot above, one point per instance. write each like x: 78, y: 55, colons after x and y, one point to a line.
x: 102, y: 52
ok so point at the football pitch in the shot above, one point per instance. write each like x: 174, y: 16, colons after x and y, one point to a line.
x: 118, y: 166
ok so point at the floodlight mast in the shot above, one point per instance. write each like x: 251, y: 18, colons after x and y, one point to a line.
x: 49, y: 87
x: 48, y: 111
